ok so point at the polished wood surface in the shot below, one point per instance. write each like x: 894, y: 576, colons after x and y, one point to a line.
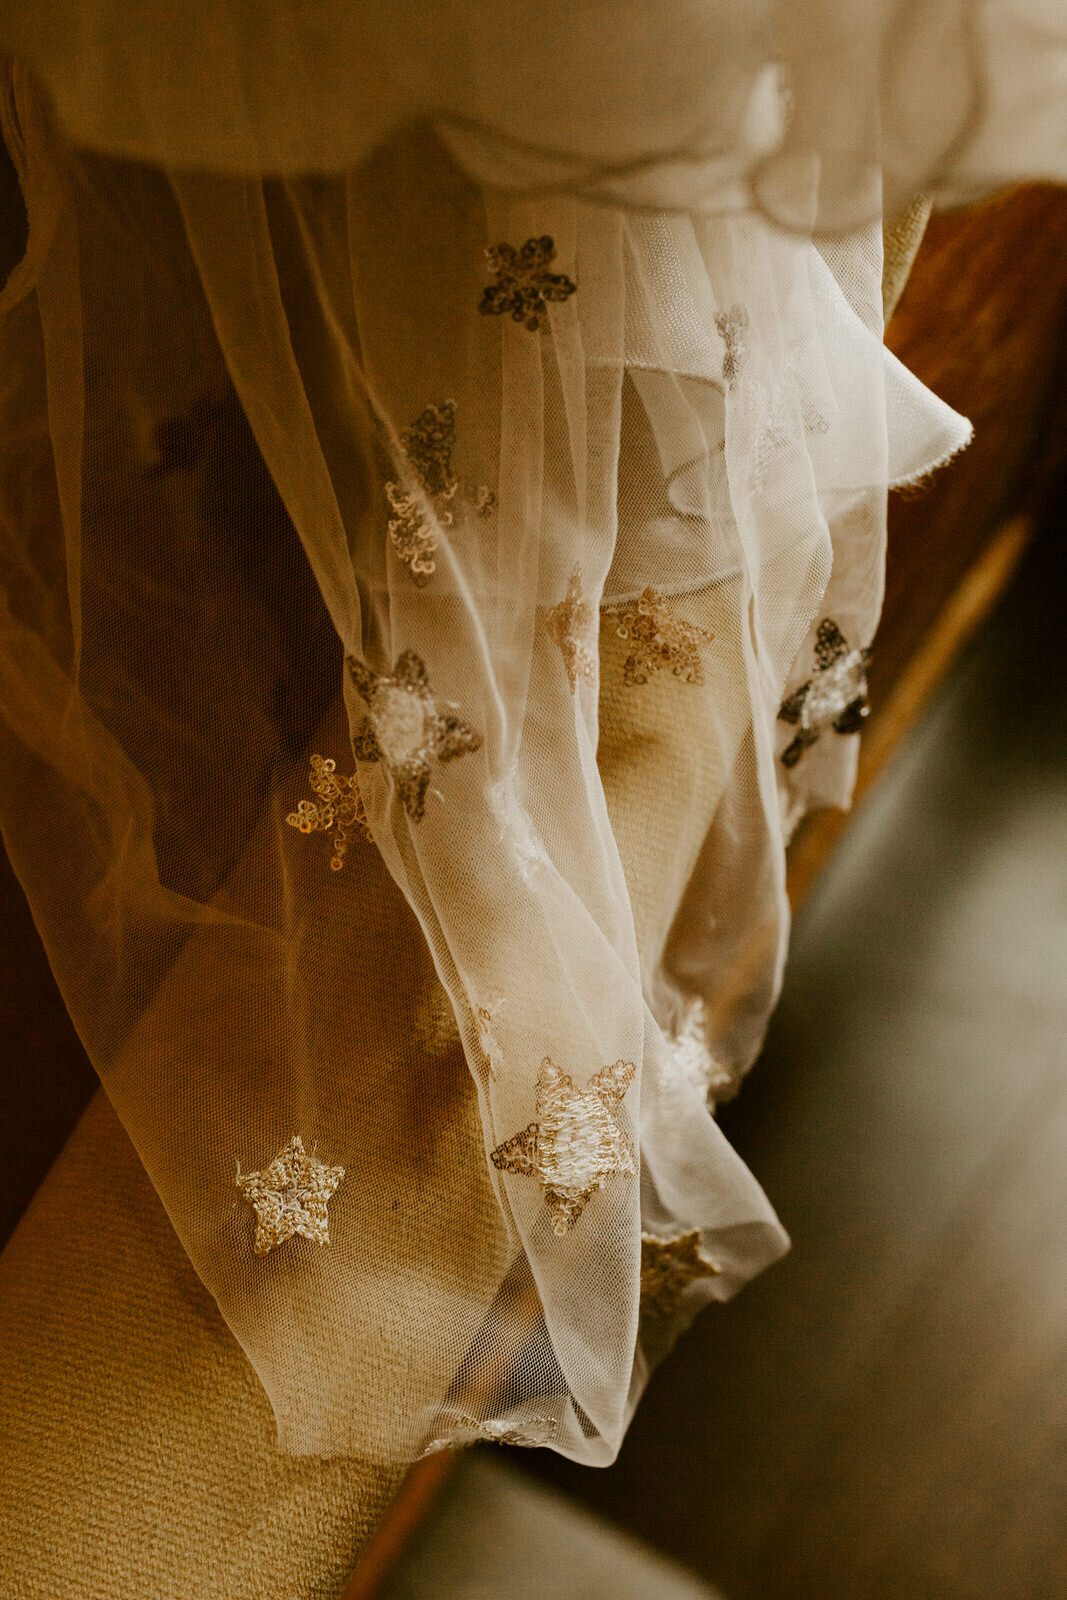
x: 983, y: 322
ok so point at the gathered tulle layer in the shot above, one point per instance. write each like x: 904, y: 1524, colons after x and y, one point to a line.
x: 821, y: 114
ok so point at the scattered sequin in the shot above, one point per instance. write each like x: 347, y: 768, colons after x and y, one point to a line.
x: 524, y: 285
x: 290, y: 1196
x: 732, y: 326
x: 428, y: 445
x: 575, y: 1144
x: 464, y: 1430
x: 668, y: 1267
x: 835, y: 696
x: 569, y: 623
x: 659, y: 638
x: 406, y: 728
x: 412, y: 534
x: 339, y: 810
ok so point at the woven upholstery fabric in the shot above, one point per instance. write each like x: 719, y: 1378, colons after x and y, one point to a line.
x: 137, y: 1456
x: 901, y: 239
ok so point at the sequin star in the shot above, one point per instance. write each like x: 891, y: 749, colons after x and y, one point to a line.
x: 406, y: 728
x: 428, y: 446
x: 659, y: 638
x: 668, y: 1267
x: 339, y: 809
x: 412, y: 534
x: 575, y: 1144
x: 524, y: 285
x: 290, y: 1196
x: 466, y: 1430
x: 835, y: 696
x: 569, y: 624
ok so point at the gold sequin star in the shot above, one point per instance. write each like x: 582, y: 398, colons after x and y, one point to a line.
x: 524, y: 284
x: 569, y: 624
x: 669, y: 1266
x: 835, y: 696
x: 658, y: 638
x: 428, y: 446
x: 406, y: 728
x: 575, y: 1144
x: 290, y: 1196
x: 339, y: 810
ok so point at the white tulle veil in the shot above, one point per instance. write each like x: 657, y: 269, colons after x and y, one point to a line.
x: 443, y: 468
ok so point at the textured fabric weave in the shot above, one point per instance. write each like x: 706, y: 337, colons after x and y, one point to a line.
x: 137, y: 1453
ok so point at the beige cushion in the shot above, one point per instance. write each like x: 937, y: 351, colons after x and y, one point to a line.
x: 137, y: 1457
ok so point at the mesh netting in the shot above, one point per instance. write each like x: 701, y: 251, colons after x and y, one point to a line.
x: 426, y: 609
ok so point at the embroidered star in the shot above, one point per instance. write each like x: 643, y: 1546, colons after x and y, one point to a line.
x: 658, y: 638
x: 524, y: 285
x: 569, y: 624
x: 290, y: 1196
x: 835, y: 696
x: 406, y: 728
x: 668, y: 1267
x: 575, y: 1144
x: 339, y: 810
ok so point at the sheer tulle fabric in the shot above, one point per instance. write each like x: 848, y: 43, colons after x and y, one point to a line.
x: 279, y: 479
x: 818, y: 112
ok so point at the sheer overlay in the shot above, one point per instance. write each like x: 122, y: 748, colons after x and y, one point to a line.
x: 443, y: 520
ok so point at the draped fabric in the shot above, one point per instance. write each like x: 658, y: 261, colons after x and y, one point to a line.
x: 443, y: 471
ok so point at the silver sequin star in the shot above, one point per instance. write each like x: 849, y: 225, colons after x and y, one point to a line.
x: 732, y: 327
x: 464, y: 1430
x: 339, y: 809
x: 835, y: 696
x: 658, y: 637
x: 406, y: 728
